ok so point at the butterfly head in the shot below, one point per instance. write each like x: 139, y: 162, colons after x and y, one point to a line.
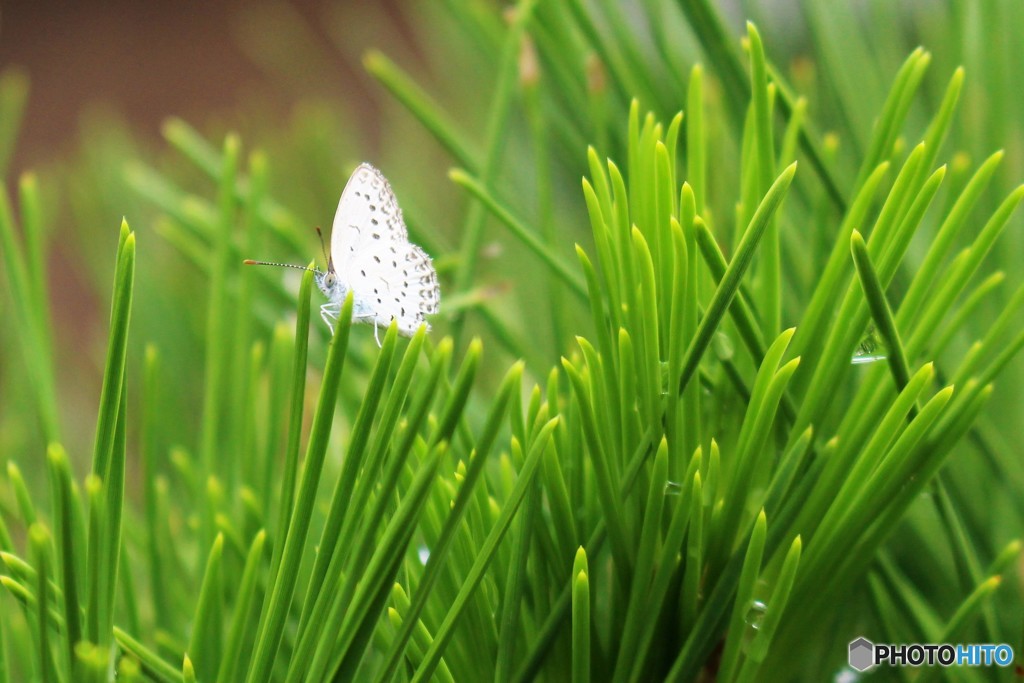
x: 328, y: 280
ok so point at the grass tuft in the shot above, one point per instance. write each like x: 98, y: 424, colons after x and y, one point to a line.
x: 675, y: 460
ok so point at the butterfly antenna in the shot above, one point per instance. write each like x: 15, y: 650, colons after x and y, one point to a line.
x: 323, y: 248
x: 251, y: 262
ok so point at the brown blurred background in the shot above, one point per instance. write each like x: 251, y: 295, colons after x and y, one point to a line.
x: 148, y: 60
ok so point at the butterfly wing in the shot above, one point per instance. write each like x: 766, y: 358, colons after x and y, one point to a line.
x: 367, y: 212
x: 393, y: 281
x: 391, y: 278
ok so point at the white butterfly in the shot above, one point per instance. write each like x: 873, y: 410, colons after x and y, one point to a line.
x: 390, y: 278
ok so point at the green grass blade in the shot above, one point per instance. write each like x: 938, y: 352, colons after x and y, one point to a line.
x: 421, y: 106
x: 92, y: 663
x: 667, y: 569
x: 94, y: 491
x: 773, y: 613
x: 560, y: 609
x: 519, y: 230
x: 32, y: 228
x: 880, y: 311
x: 486, y: 553
x: 602, y: 471
x: 516, y: 586
x: 968, y: 609
x: 894, y: 112
x: 581, y: 625
x: 64, y: 510
x: 207, y: 635
x: 210, y: 161
x: 764, y: 141
x: 112, y: 535
x: 500, y: 109
x: 729, y: 285
x: 636, y: 612
x: 39, y: 539
x: 154, y: 665
x: 689, y: 594
x: 741, y: 310
x: 744, y: 600
x: 26, y: 506
x: 439, y: 551
x: 956, y: 280
x: 188, y: 671
x: 421, y: 637
x: 956, y: 219
x: 150, y: 475
x: 278, y: 598
x: 286, y: 500
x: 696, y: 141
x: 969, y: 308
x: 113, y: 376
x: 242, y: 342
x: 218, y: 322
x: 19, y: 280
x: 106, y: 488
x: 244, y: 619
x: 340, y: 500
x: 818, y: 314
x: 360, y: 612
x: 354, y: 548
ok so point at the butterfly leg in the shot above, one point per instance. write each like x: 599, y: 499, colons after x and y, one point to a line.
x: 375, y: 335
x: 328, y: 312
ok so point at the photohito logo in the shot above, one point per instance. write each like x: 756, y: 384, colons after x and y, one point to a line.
x: 864, y: 654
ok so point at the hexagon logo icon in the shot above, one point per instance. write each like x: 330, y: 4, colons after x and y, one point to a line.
x: 862, y: 654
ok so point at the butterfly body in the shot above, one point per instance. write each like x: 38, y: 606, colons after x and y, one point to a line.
x: 390, y: 278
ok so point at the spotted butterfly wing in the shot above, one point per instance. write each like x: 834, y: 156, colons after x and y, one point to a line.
x: 391, y: 279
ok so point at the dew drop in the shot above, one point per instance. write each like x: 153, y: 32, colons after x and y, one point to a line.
x: 723, y: 346
x: 870, y: 348
x: 846, y: 675
x: 673, y: 488
x: 424, y: 554
x: 755, y: 615
x: 666, y: 381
